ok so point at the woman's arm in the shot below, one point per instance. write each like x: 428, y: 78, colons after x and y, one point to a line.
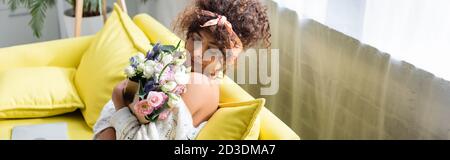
x: 126, y: 125
x: 107, y: 134
x: 123, y: 123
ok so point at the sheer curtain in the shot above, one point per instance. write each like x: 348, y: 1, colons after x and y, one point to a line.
x: 415, y: 31
x: 334, y: 87
x: 315, y: 9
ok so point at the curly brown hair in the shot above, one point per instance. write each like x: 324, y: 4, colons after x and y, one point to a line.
x: 248, y: 18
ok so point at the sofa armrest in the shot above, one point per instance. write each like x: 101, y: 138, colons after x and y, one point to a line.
x: 60, y: 53
x: 272, y: 128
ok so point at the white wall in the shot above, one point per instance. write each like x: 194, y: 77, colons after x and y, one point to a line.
x: 14, y: 27
x: 165, y: 11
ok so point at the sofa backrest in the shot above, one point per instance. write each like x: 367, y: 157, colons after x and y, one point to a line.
x: 58, y: 53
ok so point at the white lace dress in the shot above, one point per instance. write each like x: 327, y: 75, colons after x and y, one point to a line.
x: 178, y: 125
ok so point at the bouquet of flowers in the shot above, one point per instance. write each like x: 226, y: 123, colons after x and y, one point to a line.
x: 161, y: 77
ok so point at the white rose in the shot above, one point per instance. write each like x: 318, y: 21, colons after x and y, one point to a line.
x: 130, y: 72
x: 150, y: 63
x: 169, y: 86
x: 140, y: 67
x: 167, y: 59
x: 140, y: 57
x: 148, y: 71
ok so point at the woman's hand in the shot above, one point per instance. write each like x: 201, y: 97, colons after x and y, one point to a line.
x: 117, y: 95
x: 119, y: 101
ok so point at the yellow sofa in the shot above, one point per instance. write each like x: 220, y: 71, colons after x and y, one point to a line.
x: 49, y: 54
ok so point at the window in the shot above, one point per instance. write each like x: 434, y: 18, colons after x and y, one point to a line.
x: 416, y: 31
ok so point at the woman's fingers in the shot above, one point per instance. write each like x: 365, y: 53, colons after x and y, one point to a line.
x: 117, y: 95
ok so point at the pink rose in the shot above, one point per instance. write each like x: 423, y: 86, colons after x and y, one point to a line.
x: 142, y: 108
x: 156, y: 99
x: 179, y: 89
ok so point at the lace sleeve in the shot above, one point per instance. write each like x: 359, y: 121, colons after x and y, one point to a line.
x: 103, y: 121
x: 125, y: 124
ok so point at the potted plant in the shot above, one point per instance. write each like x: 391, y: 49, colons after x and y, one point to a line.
x: 92, y: 18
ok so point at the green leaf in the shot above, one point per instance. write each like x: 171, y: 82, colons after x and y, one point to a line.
x: 166, y: 105
x: 14, y: 4
x: 178, y: 46
x: 141, y: 90
x: 154, y: 117
x: 38, y: 9
x: 167, y: 48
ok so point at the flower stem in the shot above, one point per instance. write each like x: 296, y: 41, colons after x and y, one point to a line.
x: 162, y: 71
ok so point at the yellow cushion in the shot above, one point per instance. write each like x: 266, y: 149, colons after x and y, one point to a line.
x: 234, y: 121
x: 37, y: 92
x: 77, y: 128
x: 102, y: 65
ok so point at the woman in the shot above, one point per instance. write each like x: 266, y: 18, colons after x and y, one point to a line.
x: 228, y: 26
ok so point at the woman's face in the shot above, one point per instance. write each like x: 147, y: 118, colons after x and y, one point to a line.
x: 205, y: 54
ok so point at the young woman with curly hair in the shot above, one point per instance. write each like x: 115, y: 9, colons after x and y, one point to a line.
x: 225, y: 26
